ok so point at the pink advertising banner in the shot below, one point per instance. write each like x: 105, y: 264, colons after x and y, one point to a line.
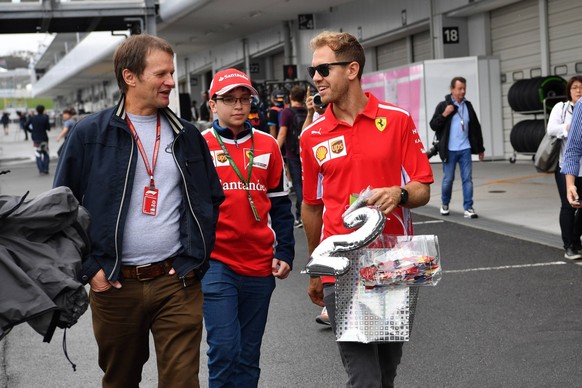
x: 400, y: 87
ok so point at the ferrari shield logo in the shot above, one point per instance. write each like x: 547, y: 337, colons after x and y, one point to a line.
x: 380, y: 123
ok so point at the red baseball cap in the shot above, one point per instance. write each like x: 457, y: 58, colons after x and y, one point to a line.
x: 226, y: 80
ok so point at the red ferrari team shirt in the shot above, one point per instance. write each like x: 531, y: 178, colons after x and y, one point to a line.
x: 243, y: 243
x: 339, y: 160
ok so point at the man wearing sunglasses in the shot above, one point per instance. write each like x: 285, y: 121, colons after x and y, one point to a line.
x: 358, y: 142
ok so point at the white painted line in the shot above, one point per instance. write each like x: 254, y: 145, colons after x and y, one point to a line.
x: 428, y: 222
x: 505, y: 267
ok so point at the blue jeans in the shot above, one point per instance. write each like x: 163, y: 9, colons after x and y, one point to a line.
x: 465, y: 165
x: 235, y: 316
x: 42, y: 157
x: 294, y: 165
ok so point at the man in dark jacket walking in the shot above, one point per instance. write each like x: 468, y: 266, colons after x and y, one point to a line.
x: 38, y: 125
x: 148, y: 181
x: 459, y: 135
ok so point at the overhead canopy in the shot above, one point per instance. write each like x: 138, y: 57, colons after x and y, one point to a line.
x: 191, y: 26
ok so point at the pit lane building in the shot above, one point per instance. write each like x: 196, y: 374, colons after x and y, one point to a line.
x: 498, y: 42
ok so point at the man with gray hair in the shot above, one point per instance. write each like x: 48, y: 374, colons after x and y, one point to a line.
x: 149, y: 184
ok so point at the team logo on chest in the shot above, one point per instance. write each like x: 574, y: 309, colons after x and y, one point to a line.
x: 380, y: 123
x: 219, y: 158
x: 259, y: 161
x: 330, y: 149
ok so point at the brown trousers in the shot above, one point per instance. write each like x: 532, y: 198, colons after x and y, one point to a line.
x: 122, y: 319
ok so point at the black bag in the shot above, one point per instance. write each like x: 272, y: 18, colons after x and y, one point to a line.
x: 294, y: 130
x: 548, y: 154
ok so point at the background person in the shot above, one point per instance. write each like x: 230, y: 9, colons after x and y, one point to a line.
x: 22, y: 123
x: 277, y: 105
x: 147, y: 180
x: 559, y: 126
x: 459, y: 133
x: 313, y: 113
x: 257, y: 117
x: 39, y: 125
x: 69, y: 122
x: 374, y: 144
x: 204, y: 108
x: 194, y: 110
x: 254, y: 239
x: 5, y: 121
x: 292, y: 119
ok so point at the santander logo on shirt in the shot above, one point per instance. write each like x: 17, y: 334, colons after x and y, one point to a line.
x: 238, y: 185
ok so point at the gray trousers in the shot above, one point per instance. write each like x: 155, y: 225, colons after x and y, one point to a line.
x: 370, y: 365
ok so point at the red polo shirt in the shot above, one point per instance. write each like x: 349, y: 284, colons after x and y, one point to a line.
x: 243, y: 243
x: 381, y: 149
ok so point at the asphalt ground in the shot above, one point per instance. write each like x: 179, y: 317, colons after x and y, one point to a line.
x: 507, y: 312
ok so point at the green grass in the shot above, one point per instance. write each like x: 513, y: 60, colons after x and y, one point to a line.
x: 29, y: 103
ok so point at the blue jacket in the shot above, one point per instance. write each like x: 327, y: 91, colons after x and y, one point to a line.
x: 98, y: 164
x: 38, y: 125
x: 442, y: 127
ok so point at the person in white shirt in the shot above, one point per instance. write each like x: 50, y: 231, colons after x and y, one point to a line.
x: 559, y: 125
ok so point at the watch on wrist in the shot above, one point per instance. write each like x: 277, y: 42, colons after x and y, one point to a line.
x: 403, y: 196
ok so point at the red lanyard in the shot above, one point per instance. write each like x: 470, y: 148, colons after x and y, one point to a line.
x: 142, y: 150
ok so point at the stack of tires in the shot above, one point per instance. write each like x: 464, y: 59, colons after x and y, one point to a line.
x: 527, y: 96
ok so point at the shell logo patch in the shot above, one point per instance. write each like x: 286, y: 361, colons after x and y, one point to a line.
x: 321, y: 153
x: 330, y: 149
x: 380, y: 123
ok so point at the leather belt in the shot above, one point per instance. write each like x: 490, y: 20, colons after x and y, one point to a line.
x: 146, y: 271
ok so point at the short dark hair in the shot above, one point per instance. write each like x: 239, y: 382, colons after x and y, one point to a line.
x: 297, y: 93
x: 460, y: 79
x: 132, y: 53
x: 40, y: 109
x: 345, y: 46
x: 570, y: 83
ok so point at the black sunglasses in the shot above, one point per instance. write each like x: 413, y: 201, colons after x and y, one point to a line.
x: 323, y: 69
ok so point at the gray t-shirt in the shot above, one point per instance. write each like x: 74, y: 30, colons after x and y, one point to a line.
x: 146, y: 238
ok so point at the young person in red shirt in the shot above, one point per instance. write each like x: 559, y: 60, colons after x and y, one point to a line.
x: 358, y: 142
x: 254, y: 234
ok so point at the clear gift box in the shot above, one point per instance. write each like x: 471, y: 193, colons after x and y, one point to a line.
x: 376, y: 299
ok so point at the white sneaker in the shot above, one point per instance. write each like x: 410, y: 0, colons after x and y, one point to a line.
x: 572, y: 254
x: 470, y: 213
x: 445, y: 210
x: 323, y: 318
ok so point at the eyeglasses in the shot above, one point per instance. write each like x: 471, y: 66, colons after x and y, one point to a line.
x: 323, y: 69
x: 231, y: 101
